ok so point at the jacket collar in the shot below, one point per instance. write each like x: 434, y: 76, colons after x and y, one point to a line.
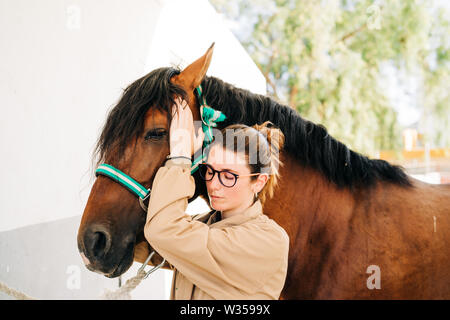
x: 250, y: 213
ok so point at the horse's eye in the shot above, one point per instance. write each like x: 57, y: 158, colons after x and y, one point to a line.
x: 155, y: 134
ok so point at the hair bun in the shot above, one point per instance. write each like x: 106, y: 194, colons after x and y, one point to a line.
x: 274, y: 135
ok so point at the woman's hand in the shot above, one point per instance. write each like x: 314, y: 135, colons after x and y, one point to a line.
x: 183, y: 141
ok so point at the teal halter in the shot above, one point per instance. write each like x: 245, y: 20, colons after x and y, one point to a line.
x: 209, y: 116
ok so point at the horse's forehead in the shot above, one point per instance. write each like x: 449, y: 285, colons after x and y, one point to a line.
x: 155, y: 117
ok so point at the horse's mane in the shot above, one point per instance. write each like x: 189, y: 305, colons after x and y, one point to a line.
x: 310, y: 143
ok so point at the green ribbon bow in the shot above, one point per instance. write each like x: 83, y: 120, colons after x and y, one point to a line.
x: 210, y: 117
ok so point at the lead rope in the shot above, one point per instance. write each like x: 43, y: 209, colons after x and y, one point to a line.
x: 14, y: 293
x: 123, y: 293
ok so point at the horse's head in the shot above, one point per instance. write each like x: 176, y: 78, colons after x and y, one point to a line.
x: 134, y: 140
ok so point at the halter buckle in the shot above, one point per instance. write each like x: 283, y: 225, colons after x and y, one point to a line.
x: 141, y: 200
x: 152, y: 269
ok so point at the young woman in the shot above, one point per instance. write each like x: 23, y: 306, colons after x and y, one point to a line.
x: 235, y: 251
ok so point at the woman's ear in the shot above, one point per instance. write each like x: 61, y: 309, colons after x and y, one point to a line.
x: 260, y: 182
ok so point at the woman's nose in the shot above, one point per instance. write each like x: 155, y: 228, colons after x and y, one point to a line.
x: 214, y: 183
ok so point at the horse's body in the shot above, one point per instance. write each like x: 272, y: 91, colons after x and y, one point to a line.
x: 336, y: 236
x: 358, y: 228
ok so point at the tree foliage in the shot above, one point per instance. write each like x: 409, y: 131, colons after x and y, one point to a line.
x: 325, y: 58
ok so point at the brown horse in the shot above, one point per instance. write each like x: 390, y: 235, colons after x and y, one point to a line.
x: 359, y: 228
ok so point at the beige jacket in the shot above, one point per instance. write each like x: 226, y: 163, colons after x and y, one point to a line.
x: 242, y: 257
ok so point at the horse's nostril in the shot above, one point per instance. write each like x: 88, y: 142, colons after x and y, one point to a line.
x: 97, y: 243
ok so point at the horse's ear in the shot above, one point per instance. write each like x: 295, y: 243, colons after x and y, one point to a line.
x: 191, y: 77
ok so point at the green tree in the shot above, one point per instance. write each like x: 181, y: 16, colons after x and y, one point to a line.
x: 325, y: 59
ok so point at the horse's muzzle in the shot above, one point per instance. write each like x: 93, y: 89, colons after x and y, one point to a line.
x: 101, y: 255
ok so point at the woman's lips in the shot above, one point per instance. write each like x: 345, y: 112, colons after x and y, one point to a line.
x: 215, y: 197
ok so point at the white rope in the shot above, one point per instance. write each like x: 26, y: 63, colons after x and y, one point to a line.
x: 123, y: 293
x: 14, y: 293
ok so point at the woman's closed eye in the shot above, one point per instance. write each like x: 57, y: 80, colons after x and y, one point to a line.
x: 227, y: 175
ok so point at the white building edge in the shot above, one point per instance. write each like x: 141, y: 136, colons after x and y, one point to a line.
x: 64, y: 65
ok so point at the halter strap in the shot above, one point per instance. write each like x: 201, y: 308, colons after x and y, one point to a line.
x: 124, y: 179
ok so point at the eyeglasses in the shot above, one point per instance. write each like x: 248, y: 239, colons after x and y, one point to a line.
x: 226, y: 178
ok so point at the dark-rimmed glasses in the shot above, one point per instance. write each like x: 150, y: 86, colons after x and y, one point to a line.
x: 227, y: 179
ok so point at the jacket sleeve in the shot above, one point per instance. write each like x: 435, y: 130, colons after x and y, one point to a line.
x: 230, y: 262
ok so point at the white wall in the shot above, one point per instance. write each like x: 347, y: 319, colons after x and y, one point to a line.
x: 63, y: 65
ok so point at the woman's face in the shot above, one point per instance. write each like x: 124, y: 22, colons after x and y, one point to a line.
x: 241, y: 195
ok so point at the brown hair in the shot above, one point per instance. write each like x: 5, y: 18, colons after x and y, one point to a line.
x: 261, y: 145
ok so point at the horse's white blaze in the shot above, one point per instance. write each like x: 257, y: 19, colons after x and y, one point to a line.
x: 85, y: 260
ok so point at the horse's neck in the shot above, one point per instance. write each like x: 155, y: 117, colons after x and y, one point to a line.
x: 307, y: 205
